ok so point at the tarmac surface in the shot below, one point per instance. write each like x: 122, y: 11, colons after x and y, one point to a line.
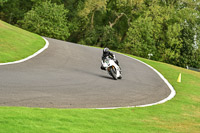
x: 68, y: 75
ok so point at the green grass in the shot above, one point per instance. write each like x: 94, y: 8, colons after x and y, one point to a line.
x: 179, y: 115
x: 16, y: 44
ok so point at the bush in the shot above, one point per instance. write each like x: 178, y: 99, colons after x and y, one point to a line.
x: 102, y: 36
x: 47, y: 19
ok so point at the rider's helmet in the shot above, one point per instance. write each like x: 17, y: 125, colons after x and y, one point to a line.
x: 105, y: 50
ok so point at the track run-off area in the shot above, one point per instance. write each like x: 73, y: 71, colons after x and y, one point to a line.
x: 68, y: 75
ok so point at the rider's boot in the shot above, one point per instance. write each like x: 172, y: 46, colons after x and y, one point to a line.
x: 117, y: 62
x: 103, y: 68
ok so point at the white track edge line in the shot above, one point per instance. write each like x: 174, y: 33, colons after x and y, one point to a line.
x: 172, y: 94
x: 29, y: 57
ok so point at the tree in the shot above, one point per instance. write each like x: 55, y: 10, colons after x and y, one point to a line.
x: 190, y: 35
x: 2, y: 1
x: 47, y: 19
x: 155, y: 32
x: 12, y: 11
x: 90, y: 7
x: 106, y: 22
x: 167, y: 31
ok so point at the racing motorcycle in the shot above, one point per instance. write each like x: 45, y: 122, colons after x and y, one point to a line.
x: 112, y: 68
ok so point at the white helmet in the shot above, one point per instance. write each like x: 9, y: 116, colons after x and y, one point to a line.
x: 105, y: 50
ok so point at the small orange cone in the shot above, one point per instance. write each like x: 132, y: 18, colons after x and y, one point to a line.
x: 179, y: 78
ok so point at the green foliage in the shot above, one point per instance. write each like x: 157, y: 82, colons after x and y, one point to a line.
x: 105, y: 24
x: 91, y: 6
x: 189, y: 52
x: 101, y: 36
x: 140, y: 40
x: 2, y: 1
x: 47, y: 19
x: 167, y: 33
x: 12, y: 11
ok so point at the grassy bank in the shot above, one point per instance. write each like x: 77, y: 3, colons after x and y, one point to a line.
x: 16, y: 44
x: 181, y: 114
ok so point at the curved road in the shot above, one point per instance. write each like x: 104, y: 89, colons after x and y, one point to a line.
x: 68, y: 75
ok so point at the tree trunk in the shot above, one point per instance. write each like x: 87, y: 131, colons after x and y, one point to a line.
x: 92, y: 20
x: 116, y: 20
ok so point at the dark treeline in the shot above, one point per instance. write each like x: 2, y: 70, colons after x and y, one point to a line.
x: 168, y: 30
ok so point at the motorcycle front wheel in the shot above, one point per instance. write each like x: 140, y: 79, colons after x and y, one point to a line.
x: 113, y: 72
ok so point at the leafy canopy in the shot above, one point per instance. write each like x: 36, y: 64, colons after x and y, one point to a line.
x: 47, y: 19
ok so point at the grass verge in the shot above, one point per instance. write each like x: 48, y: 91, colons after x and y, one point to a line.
x: 16, y: 44
x: 181, y: 114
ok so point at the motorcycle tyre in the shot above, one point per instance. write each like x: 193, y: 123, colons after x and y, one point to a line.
x: 113, y: 74
x: 120, y: 77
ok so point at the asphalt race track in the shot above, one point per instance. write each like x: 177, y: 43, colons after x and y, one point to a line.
x: 68, y: 75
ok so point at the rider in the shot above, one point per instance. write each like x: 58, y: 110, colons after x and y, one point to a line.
x: 107, y: 53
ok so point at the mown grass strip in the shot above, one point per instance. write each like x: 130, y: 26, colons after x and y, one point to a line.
x: 17, y: 44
